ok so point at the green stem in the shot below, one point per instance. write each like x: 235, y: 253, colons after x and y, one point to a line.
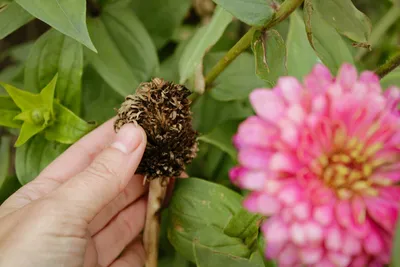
x: 386, y: 68
x: 283, y: 12
x: 380, y: 29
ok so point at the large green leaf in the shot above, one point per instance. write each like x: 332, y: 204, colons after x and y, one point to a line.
x: 209, y: 113
x: 199, y: 212
x: 237, y: 80
x: 8, y: 111
x: 68, y: 127
x: 301, y: 57
x: 270, y: 55
x: 252, y: 12
x: 56, y: 53
x: 392, y: 79
x: 161, y: 17
x: 12, y: 16
x: 8, y: 183
x: 99, y: 99
x: 221, y: 137
x: 34, y: 156
x: 67, y: 16
x: 325, y: 40
x: 126, y: 54
x: 204, y: 38
x: 396, y: 247
x: 345, y: 18
x: 206, y: 257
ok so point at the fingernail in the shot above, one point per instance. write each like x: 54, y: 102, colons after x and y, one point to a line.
x: 128, y: 138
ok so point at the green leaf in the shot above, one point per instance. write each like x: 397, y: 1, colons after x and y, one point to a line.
x: 301, y: 57
x: 244, y: 225
x: 209, y: 113
x: 252, y: 12
x: 126, y: 54
x: 67, y: 16
x: 28, y: 130
x: 28, y: 101
x: 327, y: 43
x: 199, y: 211
x: 8, y: 184
x: 206, y: 257
x: 161, y: 17
x: 5, y: 149
x: 270, y: 55
x: 12, y: 17
x: 56, y: 53
x: 392, y: 79
x: 221, y: 137
x: 68, y: 127
x: 237, y: 80
x: 204, y: 38
x: 345, y: 18
x: 396, y: 246
x: 99, y: 99
x: 8, y: 111
x: 34, y: 156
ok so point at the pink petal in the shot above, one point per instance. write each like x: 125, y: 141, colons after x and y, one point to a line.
x: 298, y: 234
x: 302, y: 211
x: 311, y: 255
x: 290, y: 88
x: 275, y: 230
x: 296, y: 113
x: 267, y: 104
x: 253, y: 180
x: 323, y: 214
x: 290, y: 194
x: 347, y: 76
x: 334, y: 239
x: 340, y: 260
x: 288, y: 255
x: 318, y: 80
x: 283, y: 162
x: 351, y: 245
x: 373, y: 244
x: 262, y: 203
x: 313, y: 232
x: 359, y: 209
x: 372, y: 80
x: 382, y: 212
x: 255, y: 132
x: 254, y: 158
x: 359, y: 261
x: 289, y: 132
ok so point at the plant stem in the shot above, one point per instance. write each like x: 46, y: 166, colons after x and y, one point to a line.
x: 157, y: 192
x: 283, y: 12
x: 380, y: 29
x: 390, y: 65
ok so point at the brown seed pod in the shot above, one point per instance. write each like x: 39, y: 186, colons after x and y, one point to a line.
x: 162, y: 109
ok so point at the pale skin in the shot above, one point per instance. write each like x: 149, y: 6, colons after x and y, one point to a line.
x: 87, y: 208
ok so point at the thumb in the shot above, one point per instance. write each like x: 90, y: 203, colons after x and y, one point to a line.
x: 90, y: 191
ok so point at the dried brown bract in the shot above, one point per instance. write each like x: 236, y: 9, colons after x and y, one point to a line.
x: 162, y: 109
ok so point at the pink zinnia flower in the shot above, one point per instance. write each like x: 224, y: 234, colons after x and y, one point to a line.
x: 322, y: 161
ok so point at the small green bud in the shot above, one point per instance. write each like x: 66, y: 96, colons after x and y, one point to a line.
x: 37, y: 117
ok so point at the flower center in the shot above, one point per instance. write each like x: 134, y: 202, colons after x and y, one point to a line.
x: 348, y: 169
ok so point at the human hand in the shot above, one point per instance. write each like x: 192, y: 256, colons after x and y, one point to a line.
x: 84, y: 209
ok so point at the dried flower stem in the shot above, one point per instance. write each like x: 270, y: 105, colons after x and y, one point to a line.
x: 283, y: 12
x: 386, y: 68
x: 157, y: 192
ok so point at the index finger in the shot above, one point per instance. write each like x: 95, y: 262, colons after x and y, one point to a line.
x: 77, y: 157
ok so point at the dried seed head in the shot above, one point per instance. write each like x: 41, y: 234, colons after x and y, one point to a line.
x: 162, y: 109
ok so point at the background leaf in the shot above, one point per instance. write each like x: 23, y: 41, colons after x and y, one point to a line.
x: 126, y: 54
x: 8, y: 183
x: 204, y: 38
x: 56, y: 53
x: 67, y: 16
x: 12, y: 17
x: 99, y: 99
x: 252, y: 12
x: 270, y: 55
x: 150, y: 13
x: 237, y: 80
x: 198, y: 212
x: 327, y: 43
x: 34, y: 156
x: 8, y: 111
x: 392, y: 79
x: 301, y: 57
x: 221, y: 137
x: 345, y: 18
